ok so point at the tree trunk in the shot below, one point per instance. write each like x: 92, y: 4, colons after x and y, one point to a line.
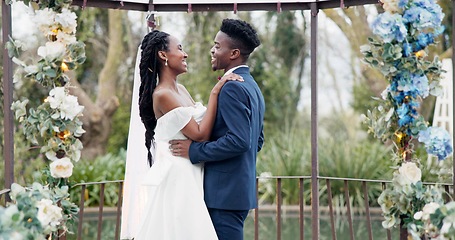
x: 98, y: 114
x: 353, y: 23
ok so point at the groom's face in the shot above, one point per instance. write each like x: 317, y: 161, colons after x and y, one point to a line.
x: 221, y: 52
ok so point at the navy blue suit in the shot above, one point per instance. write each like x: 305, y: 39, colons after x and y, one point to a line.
x: 230, y: 155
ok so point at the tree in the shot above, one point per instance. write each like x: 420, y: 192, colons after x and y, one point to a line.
x: 353, y: 22
x: 278, y: 65
x: 101, y: 106
x: 198, y: 40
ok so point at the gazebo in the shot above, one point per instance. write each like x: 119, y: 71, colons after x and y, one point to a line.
x: 153, y: 6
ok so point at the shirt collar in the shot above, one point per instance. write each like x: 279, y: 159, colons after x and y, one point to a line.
x: 233, y: 69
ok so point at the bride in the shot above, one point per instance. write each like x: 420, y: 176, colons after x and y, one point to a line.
x: 174, y: 197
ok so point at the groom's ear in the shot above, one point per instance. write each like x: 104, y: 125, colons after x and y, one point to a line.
x: 235, y: 53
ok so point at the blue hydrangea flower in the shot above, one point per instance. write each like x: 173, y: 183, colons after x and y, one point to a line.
x: 389, y: 27
x: 423, y: 14
x: 402, y: 3
x: 407, y: 49
x: 404, y: 115
x: 437, y: 142
x: 423, y: 40
x: 420, y: 85
x: 411, y: 85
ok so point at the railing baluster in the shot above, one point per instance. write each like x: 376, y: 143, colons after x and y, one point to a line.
x: 256, y: 213
x: 81, y: 213
x: 389, y: 233
x: 119, y: 210
x: 278, y: 208
x: 348, y: 203
x: 301, y: 207
x: 367, y: 209
x: 332, y: 217
x: 100, y: 212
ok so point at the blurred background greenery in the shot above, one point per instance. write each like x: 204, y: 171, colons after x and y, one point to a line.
x: 281, y: 68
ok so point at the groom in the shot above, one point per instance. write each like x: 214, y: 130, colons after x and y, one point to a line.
x: 237, y: 136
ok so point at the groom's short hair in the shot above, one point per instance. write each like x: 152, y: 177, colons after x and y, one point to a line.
x: 243, y: 35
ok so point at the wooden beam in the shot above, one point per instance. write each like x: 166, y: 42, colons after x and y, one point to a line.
x: 185, y: 7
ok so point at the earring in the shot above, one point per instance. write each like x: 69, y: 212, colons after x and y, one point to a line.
x: 165, y: 64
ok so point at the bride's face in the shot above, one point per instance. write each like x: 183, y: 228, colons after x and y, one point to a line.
x: 176, y: 56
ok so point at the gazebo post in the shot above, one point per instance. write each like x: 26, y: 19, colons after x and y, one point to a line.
x: 314, y: 124
x: 8, y: 123
x: 453, y: 91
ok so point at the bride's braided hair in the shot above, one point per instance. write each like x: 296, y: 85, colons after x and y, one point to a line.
x: 149, y: 68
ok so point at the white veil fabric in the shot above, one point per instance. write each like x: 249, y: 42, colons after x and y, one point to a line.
x: 135, y: 194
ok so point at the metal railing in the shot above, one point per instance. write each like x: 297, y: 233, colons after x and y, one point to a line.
x: 365, y: 193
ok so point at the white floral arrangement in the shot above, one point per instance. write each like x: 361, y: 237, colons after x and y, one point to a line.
x: 54, y: 127
x: 38, y: 212
x: 399, y: 50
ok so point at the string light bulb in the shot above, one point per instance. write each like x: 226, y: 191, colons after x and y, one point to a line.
x: 64, y: 67
x: 420, y: 54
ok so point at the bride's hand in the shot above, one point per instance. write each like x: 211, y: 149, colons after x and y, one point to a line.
x: 229, y: 77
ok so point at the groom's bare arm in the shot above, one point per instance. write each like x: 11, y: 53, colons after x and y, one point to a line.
x: 180, y: 148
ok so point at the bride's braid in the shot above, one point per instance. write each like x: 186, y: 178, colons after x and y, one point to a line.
x: 149, y: 68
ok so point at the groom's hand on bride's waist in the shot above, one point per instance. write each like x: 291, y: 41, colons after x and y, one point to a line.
x: 180, y: 147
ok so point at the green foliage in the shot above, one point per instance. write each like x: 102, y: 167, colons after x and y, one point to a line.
x: 118, y: 139
x: 105, y: 168
x: 446, y: 38
x: 197, y: 43
x: 92, y: 30
x: 364, y: 101
x: 278, y: 65
x: 357, y: 159
x: 28, y: 162
x: 342, y: 153
x: 285, y: 153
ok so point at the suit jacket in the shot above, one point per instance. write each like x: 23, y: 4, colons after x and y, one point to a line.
x: 230, y: 155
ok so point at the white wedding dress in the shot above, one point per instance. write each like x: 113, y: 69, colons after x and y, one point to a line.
x: 166, y: 201
x: 176, y: 209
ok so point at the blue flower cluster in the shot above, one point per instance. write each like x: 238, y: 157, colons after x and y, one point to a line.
x: 390, y: 27
x: 437, y: 142
x: 409, y: 27
x: 416, y: 16
x: 405, y: 88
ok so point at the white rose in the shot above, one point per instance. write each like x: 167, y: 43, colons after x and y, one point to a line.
x: 67, y: 20
x: 418, y: 215
x: 56, y: 97
x: 44, y: 19
x: 52, y: 51
x: 61, y: 168
x: 409, y: 173
x: 48, y: 213
x: 66, y: 38
x: 428, y: 209
x: 67, y: 104
x: 70, y: 108
x: 15, y: 190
